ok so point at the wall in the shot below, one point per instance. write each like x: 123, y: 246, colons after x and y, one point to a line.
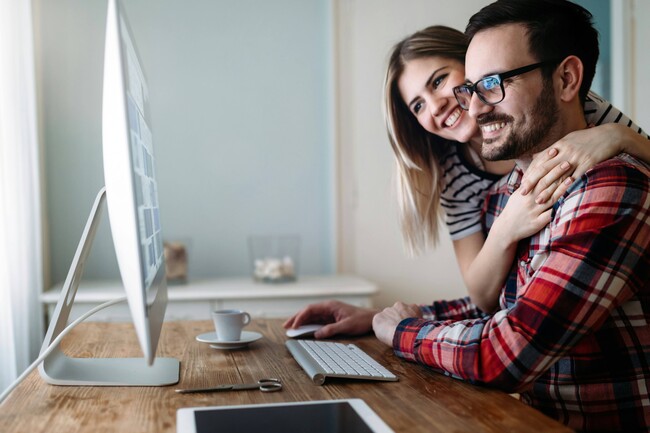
x: 370, y: 242
x: 241, y: 117
x: 600, y: 10
x: 641, y: 63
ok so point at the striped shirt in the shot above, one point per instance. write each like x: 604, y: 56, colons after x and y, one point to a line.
x: 465, y: 185
x: 572, y: 333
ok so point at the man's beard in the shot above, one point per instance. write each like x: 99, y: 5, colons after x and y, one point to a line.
x: 522, y: 139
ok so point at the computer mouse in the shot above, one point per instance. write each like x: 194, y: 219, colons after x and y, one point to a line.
x: 303, y: 331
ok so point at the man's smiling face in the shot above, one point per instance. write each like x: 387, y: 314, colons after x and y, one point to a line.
x: 519, y: 124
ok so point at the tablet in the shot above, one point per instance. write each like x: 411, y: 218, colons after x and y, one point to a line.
x: 326, y: 416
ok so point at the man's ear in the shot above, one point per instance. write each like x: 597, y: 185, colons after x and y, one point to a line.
x: 570, y: 73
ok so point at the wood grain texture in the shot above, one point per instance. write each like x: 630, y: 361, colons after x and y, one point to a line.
x: 421, y: 401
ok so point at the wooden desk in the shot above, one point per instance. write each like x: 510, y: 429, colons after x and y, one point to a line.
x: 421, y: 401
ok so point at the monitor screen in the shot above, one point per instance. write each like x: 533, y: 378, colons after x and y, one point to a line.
x: 142, y: 157
x: 131, y: 187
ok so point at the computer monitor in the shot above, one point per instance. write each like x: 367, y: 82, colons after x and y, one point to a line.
x: 131, y: 192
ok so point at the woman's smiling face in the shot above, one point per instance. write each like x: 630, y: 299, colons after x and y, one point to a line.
x: 426, y: 87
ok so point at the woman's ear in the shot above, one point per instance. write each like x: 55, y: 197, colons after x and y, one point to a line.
x: 570, y: 73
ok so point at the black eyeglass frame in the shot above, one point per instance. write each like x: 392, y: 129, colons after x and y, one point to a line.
x: 472, y: 88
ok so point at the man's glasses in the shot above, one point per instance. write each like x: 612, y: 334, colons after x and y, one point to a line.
x: 490, y: 89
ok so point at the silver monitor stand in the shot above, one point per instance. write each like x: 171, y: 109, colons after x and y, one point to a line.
x: 59, y: 369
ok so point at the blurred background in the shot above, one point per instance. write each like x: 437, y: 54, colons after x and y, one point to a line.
x: 267, y: 121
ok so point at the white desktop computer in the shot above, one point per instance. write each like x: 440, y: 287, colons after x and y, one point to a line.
x: 131, y: 192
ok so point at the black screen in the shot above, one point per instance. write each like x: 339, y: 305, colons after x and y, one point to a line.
x: 312, y: 418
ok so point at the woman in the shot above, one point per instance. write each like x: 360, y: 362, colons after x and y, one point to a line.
x: 437, y: 150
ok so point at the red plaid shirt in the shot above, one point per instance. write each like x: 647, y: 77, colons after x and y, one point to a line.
x: 572, y: 334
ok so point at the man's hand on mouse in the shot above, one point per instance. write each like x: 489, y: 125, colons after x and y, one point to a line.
x: 337, y: 318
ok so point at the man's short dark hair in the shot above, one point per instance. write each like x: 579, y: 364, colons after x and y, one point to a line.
x: 556, y: 29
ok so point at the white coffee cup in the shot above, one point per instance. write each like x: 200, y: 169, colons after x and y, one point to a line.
x: 229, y: 323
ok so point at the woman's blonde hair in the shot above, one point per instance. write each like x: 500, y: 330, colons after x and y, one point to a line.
x: 418, y: 153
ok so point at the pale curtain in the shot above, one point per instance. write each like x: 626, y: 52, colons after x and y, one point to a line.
x: 21, y: 273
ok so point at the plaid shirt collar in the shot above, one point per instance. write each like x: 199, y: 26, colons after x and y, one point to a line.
x: 514, y: 179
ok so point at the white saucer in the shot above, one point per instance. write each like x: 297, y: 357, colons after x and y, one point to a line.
x: 246, y: 339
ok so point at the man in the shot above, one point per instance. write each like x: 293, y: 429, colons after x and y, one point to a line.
x: 572, y: 335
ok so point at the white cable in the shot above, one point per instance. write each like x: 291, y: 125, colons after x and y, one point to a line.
x: 55, y: 343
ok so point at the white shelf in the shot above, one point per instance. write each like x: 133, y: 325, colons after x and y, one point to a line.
x: 196, y: 299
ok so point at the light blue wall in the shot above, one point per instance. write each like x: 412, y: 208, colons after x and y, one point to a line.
x: 601, y: 10
x: 240, y: 102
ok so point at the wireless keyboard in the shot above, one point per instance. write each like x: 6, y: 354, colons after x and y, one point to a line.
x: 322, y: 359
